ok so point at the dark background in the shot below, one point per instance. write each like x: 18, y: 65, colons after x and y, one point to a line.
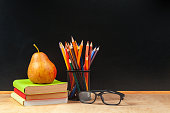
x: 133, y: 35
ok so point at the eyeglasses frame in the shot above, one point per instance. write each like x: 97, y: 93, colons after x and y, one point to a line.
x: 101, y: 93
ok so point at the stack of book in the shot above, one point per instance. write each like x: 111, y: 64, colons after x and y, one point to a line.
x: 28, y: 93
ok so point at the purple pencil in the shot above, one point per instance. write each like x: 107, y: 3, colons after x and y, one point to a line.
x: 94, y: 55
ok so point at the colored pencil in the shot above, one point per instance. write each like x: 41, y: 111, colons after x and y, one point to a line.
x: 90, y: 51
x: 70, y: 51
x: 79, y: 54
x: 74, y: 57
x: 76, y: 65
x: 86, y: 56
x: 75, y: 77
x: 94, y: 55
x: 67, y: 60
x: 93, y: 52
x: 72, y: 54
x: 73, y: 91
x: 70, y: 57
x: 77, y: 47
x: 64, y: 56
x: 74, y: 47
x: 67, y: 57
x: 86, y: 64
x: 84, y: 80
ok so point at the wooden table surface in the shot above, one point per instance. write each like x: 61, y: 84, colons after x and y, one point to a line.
x: 141, y: 102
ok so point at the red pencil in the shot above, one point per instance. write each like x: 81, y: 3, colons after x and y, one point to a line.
x: 70, y: 74
x: 90, y: 51
x: 67, y: 57
x: 86, y: 64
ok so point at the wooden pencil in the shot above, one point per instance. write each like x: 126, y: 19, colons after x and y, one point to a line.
x: 94, y: 55
x: 74, y: 57
x: 64, y: 56
x: 86, y: 56
x: 74, y: 47
x: 86, y: 64
x: 72, y: 54
x: 90, y: 51
x: 93, y: 52
x: 77, y: 47
x: 72, y: 61
x: 74, y: 76
x: 83, y: 76
x: 72, y: 65
x: 67, y: 58
x: 76, y: 65
x: 70, y: 51
x: 79, y: 54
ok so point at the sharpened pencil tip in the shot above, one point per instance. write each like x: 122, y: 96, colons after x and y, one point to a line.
x: 72, y: 39
x: 97, y: 48
x: 82, y: 42
x: 91, y: 44
x: 61, y: 44
x: 87, y: 43
x: 71, y: 47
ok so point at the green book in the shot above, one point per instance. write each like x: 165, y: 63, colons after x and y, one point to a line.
x: 29, y: 88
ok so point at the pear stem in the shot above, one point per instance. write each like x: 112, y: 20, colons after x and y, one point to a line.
x: 36, y: 48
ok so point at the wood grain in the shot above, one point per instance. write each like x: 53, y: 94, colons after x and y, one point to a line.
x: 145, y: 92
x: 133, y: 103
x: 125, y: 92
x: 6, y: 92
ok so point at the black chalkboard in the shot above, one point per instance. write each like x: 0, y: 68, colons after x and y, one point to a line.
x: 133, y: 35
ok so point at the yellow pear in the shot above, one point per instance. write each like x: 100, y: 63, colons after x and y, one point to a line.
x: 41, y: 69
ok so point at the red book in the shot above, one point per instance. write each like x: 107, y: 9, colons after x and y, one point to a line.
x: 21, y: 94
x: 41, y: 96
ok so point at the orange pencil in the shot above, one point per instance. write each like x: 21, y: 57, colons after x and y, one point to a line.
x: 79, y: 54
x: 86, y: 56
x: 74, y: 47
x: 77, y: 47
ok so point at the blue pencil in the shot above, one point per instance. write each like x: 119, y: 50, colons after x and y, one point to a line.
x: 93, y: 52
x: 81, y: 59
x: 73, y: 91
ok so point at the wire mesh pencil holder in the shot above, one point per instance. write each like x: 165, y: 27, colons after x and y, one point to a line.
x: 78, y: 80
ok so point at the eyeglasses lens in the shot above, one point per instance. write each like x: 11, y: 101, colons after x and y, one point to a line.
x: 111, y: 98
x: 87, y: 97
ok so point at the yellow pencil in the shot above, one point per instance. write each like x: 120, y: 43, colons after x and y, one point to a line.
x: 79, y: 54
x: 64, y: 55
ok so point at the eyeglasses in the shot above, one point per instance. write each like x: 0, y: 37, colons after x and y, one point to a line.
x: 108, y: 97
